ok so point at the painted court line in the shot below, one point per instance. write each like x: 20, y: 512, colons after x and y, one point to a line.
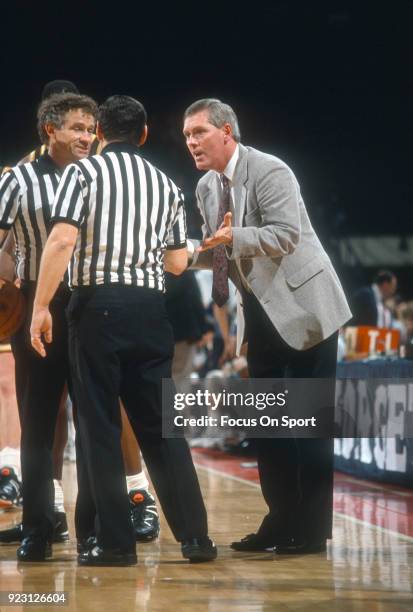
x: 373, y: 485
x: 346, y: 517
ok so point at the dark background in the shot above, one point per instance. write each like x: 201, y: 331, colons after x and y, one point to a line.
x: 326, y: 86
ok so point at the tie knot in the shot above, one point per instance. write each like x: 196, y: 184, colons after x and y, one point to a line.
x: 224, y: 180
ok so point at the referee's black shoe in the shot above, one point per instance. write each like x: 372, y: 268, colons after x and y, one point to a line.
x: 198, y: 550
x: 99, y: 557
x: 15, y: 534
x: 34, y: 549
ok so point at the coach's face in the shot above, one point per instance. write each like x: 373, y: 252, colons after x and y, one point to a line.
x: 74, y: 137
x: 209, y: 146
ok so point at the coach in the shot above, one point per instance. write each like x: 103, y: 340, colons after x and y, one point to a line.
x: 257, y: 232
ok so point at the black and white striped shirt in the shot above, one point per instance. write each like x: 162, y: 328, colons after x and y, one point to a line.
x: 27, y: 193
x: 128, y: 213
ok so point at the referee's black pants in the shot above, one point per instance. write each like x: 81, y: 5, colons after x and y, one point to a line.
x: 296, y: 474
x: 40, y: 383
x: 121, y: 345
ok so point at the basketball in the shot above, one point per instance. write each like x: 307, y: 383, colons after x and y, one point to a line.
x: 12, y: 309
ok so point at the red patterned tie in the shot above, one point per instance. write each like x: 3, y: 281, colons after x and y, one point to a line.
x: 220, y: 289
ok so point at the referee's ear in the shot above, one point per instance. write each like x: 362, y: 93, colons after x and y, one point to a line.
x: 49, y: 129
x: 144, y: 136
x: 99, y: 132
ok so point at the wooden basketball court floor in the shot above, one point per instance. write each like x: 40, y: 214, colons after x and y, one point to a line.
x: 368, y: 565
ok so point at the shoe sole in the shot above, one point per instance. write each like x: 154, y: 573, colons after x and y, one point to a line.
x: 253, y: 549
x: 58, y: 540
x: 11, y: 541
x: 107, y: 563
x: 61, y: 538
x: 197, y: 557
x: 147, y: 538
x: 35, y: 559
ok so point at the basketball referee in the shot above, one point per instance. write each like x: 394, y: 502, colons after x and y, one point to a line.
x: 142, y: 504
x: 125, y: 221
x: 66, y: 123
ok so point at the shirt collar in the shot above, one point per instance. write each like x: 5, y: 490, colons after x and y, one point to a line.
x: 47, y: 164
x: 230, y: 167
x: 121, y: 147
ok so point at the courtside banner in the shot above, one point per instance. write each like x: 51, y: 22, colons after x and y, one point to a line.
x: 288, y: 407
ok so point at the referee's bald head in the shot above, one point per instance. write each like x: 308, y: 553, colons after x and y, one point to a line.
x: 58, y: 87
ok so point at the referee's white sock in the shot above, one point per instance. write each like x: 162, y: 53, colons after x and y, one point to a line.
x: 58, y: 496
x: 137, y: 481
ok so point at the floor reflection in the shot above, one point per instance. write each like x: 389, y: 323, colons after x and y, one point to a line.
x: 367, y: 567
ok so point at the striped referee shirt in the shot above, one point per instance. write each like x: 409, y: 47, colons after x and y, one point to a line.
x: 26, y: 198
x: 128, y: 212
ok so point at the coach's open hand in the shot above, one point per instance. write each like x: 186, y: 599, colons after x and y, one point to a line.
x: 223, y: 235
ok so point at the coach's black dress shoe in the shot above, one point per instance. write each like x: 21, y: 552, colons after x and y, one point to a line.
x: 198, y: 550
x: 305, y: 548
x: 253, y: 542
x: 34, y: 549
x: 97, y: 557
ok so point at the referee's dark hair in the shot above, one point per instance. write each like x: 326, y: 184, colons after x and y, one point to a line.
x: 53, y: 110
x: 58, y: 86
x: 122, y: 118
x: 384, y: 276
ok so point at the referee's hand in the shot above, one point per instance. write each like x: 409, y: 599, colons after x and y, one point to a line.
x: 41, y: 325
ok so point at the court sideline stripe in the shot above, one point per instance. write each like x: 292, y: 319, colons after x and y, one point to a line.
x: 346, y: 517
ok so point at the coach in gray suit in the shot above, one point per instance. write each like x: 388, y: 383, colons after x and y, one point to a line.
x: 257, y: 232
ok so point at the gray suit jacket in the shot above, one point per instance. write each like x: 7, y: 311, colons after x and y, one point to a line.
x: 277, y: 250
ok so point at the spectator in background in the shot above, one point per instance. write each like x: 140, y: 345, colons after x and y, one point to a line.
x: 187, y: 316
x: 368, y: 302
x: 224, y: 325
x: 407, y: 320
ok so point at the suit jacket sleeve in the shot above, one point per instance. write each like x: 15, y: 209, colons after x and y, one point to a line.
x: 275, y: 223
x: 201, y: 261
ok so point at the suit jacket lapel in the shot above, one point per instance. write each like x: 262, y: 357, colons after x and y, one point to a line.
x: 240, y: 179
x: 216, y: 195
x: 211, y: 197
